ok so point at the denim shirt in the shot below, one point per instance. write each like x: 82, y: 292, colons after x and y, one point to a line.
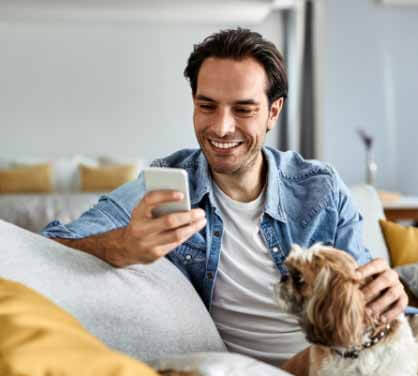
x: 306, y: 202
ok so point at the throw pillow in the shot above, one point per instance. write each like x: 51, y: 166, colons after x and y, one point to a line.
x: 38, y: 338
x: 65, y: 174
x: 105, y: 178
x: 401, y: 241
x: 111, y: 160
x: 27, y: 179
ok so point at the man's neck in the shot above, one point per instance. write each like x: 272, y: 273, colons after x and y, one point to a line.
x: 244, y: 187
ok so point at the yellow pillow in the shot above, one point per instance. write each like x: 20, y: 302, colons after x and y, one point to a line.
x: 38, y: 338
x: 401, y: 241
x: 106, y: 178
x: 27, y: 179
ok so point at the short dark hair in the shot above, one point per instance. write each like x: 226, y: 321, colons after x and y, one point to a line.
x: 238, y: 44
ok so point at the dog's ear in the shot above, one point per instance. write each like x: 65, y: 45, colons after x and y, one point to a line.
x: 335, y: 313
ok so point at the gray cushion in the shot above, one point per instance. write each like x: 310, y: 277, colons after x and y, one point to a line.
x: 218, y: 364
x: 409, y: 274
x: 146, y: 311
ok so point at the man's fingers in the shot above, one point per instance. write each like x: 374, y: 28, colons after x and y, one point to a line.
x: 384, y: 292
x: 373, y: 267
x: 153, y: 227
x: 381, y: 304
x: 153, y: 199
x: 382, y: 282
x: 175, y: 220
x: 175, y: 236
x: 165, y: 242
x: 396, y: 309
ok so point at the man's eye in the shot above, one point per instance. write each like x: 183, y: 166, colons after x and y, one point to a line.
x: 297, y: 279
x: 206, y: 107
x: 242, y: 111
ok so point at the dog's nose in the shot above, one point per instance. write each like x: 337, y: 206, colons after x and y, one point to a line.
x: 284, y: 278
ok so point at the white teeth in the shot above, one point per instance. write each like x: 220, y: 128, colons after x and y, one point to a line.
x: 225, y: 145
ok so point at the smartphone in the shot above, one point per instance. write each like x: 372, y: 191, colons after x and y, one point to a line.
x: 176, y: 179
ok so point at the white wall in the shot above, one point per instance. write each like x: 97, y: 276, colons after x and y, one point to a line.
x: 370, y: 79
x: 98, y: 88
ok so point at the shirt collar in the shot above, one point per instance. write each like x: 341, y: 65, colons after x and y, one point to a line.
x: 273, y: 206
x: 274, y: 196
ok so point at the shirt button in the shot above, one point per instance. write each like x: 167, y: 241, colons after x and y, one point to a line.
x: 188, y: 257
x: 275, y: 249
x: 210, y: 275
x: 217, y: 234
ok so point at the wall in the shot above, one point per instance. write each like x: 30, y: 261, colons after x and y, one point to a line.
x: 100, y: 88
x: 369, y: 79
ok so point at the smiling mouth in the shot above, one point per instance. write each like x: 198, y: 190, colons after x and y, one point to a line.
x: 225, y: 145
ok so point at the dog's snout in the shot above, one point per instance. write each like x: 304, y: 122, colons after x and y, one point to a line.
x: 284, y: 278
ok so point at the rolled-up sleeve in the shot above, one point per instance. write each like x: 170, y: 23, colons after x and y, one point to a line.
x: 112, y: 211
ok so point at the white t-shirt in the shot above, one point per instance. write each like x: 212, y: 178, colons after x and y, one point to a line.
x: 243, y: 307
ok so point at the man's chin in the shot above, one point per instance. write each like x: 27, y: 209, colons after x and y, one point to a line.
x: 224, y: 170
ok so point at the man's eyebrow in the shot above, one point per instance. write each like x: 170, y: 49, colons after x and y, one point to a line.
x: 204, y: 98
x: 247, y: 102
x: 241, y: 102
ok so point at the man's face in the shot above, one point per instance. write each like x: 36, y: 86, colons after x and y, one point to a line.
x: 231, y: 114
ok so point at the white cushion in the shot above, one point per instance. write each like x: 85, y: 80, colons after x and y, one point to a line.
x: 66, y: 172
x: 368, y: 203
x: 4, y: 163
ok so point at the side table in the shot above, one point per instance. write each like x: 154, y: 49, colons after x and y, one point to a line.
x: 405, y: 208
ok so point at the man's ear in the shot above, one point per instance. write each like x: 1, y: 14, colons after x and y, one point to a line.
x: 275, y: 109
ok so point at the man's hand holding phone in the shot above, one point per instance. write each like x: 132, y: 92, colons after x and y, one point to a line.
x: 156, y: 226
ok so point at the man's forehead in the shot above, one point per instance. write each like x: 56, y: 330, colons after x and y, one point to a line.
x: 244, y: 80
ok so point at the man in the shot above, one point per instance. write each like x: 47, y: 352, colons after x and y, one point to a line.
x: 250, y: 203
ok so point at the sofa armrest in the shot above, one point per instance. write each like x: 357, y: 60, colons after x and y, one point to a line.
x: 367, y: 201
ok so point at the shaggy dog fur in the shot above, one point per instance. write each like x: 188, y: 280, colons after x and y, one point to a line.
x: 323, y: 291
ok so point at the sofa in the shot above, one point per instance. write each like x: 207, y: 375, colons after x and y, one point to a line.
x: 148, y: 312
x: 35, y: 191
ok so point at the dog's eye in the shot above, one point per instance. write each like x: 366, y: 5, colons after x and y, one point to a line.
x: 297, y: 279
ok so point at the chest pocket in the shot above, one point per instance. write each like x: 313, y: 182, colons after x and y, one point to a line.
x: 191, y: 255
x: 193, y: 251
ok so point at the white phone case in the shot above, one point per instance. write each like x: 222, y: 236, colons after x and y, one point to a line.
x: 160, y: 178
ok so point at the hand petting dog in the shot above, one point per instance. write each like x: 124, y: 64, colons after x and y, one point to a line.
x: 385, y: 295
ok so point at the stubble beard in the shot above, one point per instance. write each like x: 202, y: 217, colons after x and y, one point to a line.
x: 246, y: 164
x: 239, y: 170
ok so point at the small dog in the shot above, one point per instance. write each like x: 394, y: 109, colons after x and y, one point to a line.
x: 323, y: 291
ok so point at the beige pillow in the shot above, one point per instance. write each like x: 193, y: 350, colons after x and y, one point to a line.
x: 105, y: 178
x: 26, y: 179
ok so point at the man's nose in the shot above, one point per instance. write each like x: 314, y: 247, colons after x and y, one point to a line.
x: 224, y: 123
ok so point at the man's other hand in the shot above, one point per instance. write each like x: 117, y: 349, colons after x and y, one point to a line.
x: 384, y: 294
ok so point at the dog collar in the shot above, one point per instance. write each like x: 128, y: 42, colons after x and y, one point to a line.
x: 354, y: 352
